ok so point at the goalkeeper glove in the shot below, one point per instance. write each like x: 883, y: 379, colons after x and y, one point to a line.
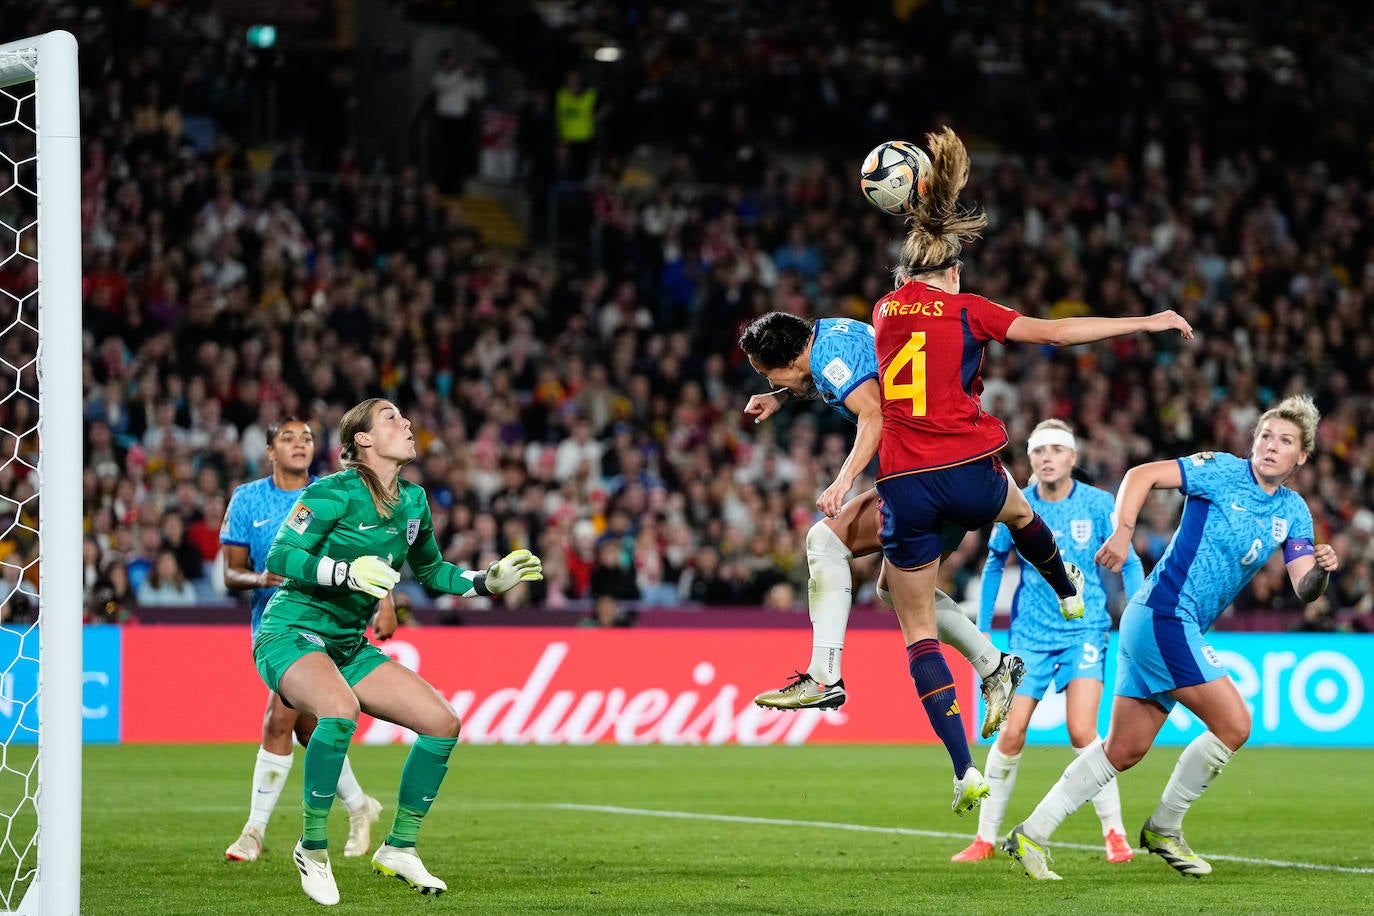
x: 509, y: 571
x: 369, y: 575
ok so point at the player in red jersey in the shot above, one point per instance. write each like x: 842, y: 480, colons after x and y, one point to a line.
x: 937, y: 460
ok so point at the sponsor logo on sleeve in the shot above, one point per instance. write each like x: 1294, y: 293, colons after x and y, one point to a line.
x: 837, y: 372
x: 300, y: 518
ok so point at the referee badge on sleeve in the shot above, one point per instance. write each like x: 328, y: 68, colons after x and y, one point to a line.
x: 412, y: 530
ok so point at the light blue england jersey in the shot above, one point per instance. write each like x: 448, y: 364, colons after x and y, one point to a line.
x: 256, y: 510
x: 844, y: 355
x: 1081, y: 522
x: 1229, y: 529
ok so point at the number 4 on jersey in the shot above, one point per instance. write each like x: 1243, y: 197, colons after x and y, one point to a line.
x: 915, y: 390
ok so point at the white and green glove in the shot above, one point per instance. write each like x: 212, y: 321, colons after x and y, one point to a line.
x: 369, y: 575
x: 509, y: 571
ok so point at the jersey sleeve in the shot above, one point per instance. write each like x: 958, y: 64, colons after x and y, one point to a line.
x: 988, y: 320
x: 999, y: 546
x: 1204, y: 474
x: 294, y: 553
x: 429, y: 565
x: 843, y: 358
x: 237, y: 523
x: 1301, y: 537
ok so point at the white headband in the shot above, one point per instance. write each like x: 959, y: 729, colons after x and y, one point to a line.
x: 1051, y: 436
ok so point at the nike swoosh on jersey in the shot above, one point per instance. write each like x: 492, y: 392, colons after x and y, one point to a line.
x: 1238, y: 507
x: 259, y: 522
x: 369, y: 527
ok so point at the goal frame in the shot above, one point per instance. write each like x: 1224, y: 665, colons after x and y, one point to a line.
x: 50, y: 62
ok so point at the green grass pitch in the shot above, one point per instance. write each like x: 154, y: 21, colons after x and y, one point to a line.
x: 728, y: 830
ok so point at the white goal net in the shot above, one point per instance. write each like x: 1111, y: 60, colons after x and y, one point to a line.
x: 40, y: 477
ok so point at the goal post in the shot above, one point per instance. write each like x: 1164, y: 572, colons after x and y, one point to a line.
x: 40, y: 361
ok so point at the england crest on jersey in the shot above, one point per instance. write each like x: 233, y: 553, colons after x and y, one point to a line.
x: 1082, y: 531
x: 412, y: 530
x: 1280, y: 529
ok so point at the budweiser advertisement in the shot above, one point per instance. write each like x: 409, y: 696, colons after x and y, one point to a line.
x: 534, y: 685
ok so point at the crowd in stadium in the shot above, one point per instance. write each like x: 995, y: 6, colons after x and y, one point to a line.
x: 587, y: 404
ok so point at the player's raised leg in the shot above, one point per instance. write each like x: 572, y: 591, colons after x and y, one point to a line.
x: 830, y: 545
x: 1035, y: 542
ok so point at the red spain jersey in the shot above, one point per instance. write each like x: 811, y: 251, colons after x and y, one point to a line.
x: 931, y: 346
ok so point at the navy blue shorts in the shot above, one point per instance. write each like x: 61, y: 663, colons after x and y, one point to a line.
x: 917, y: 507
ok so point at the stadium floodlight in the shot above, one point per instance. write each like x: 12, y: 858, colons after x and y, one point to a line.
x: 40, y: 450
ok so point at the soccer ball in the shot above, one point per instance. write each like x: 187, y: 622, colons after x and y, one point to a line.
x: 891, y: 175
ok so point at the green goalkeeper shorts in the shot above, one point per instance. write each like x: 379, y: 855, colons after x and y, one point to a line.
x: 273, y: 653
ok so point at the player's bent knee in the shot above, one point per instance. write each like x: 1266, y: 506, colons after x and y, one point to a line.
x: 343, y: 707
x: 1011, y: 740
x: 824, y: 543
x: 1234, y: 736
x: 1082, y: 737
x: 1121, y: 756
x: 448, y: 726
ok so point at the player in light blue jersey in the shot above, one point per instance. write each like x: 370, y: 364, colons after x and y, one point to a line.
x: 1069, y: 655
x: 833, y: 359
x: 1237, y: 513
x: 256, y: 510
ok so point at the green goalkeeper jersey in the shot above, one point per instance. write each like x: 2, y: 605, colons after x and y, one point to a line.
x: 336, y: 519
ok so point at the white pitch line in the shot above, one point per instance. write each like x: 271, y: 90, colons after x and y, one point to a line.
x: 908, y: 831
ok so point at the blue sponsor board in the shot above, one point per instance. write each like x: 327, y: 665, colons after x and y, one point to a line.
x: 100, y: 690
x: 1303, y: 689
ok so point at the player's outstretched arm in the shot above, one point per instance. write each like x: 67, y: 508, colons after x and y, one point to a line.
x: 433, y: 570
x: 1067, y: 332
x: 1130, y: 498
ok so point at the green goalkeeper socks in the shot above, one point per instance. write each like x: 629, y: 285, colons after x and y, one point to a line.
x: 420, y: 778
x: 324, y: 759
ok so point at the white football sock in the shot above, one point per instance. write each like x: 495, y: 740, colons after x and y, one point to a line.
x: 350, y: 793
x: 1201, y: 762
x: 1107, y: 802
x: 830, y: 596
x: 1083, y: 779
x: 953, y: 627
x: 269, y: 777
x: 1001, y: 775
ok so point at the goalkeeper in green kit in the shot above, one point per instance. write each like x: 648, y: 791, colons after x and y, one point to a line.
x: 339, y: 551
